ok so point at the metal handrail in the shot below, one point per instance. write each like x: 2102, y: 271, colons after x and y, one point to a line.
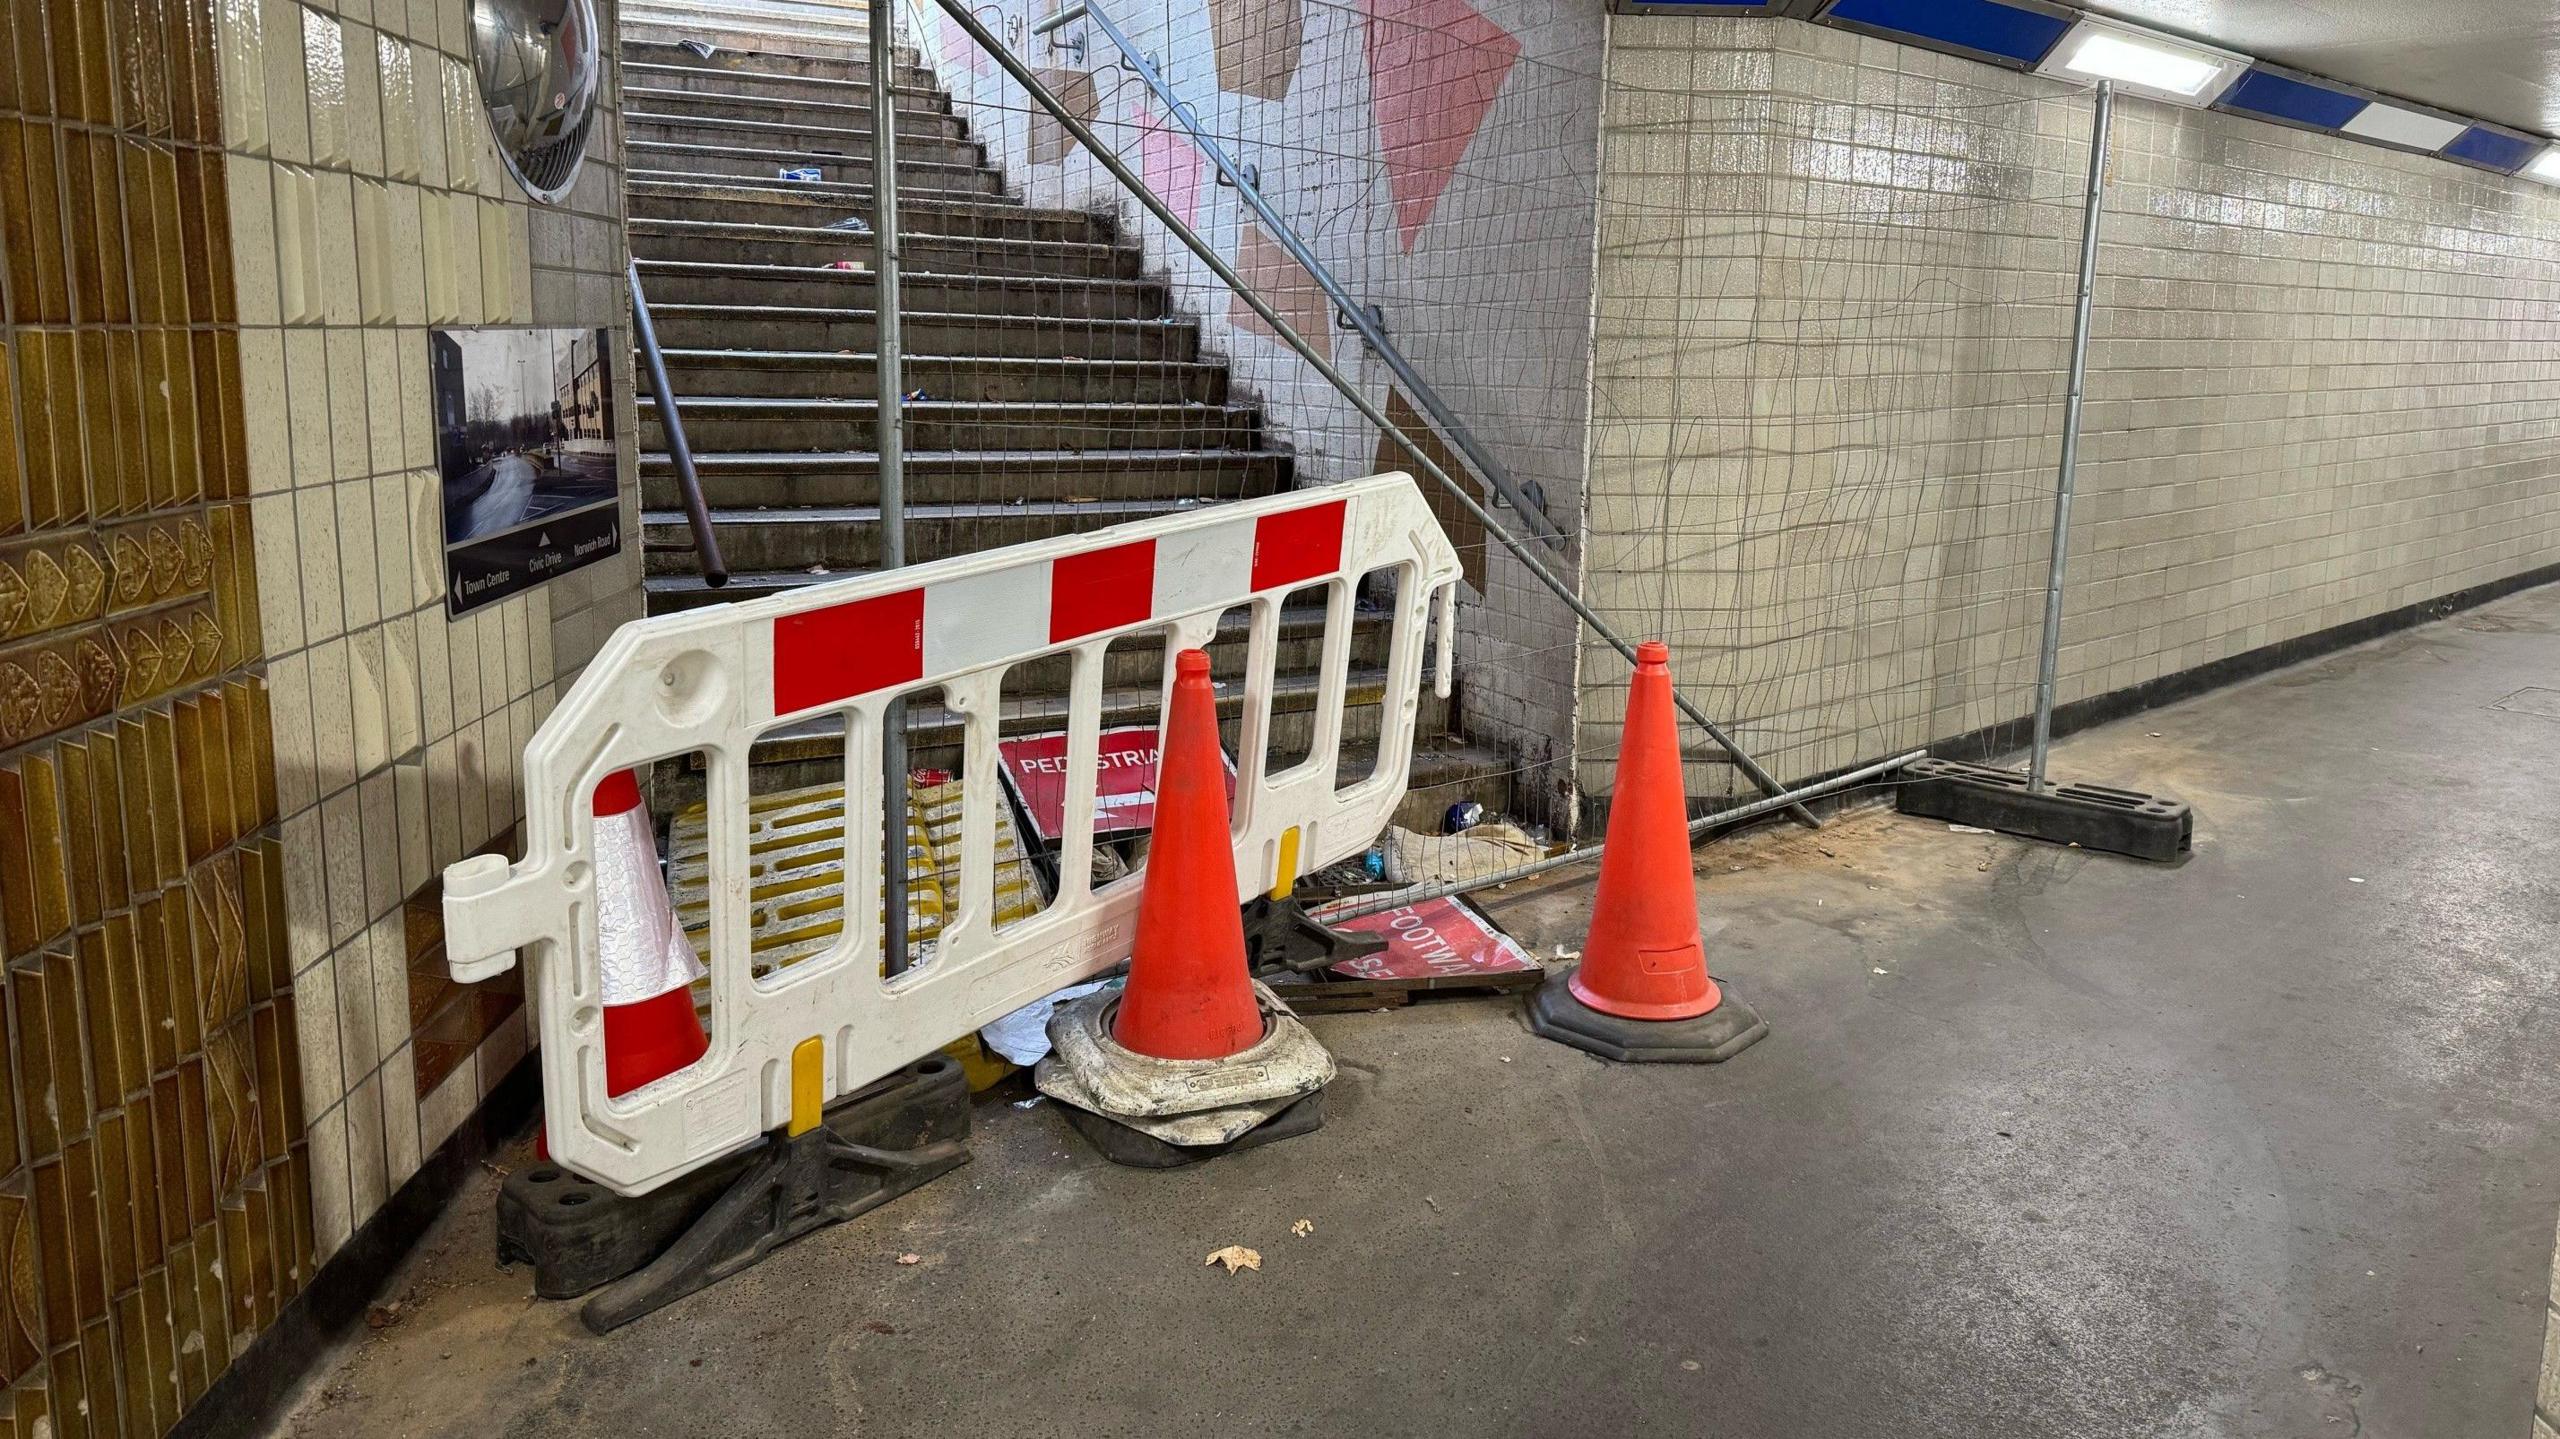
x: 1020, y: 72
x: 1361, y: 317
x: 706, y: 545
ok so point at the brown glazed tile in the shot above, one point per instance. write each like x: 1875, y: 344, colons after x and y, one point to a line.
x: 62, y: 385
x: 13, y: 480
x: 225, y: 371
x: 44, y: 295
x: 46, y: 876
x: 262, y: 749
x: 17, y: 901
x: 10, y: 1153
x: 79, y: 215
x: 18, y: 1307
x: 194, y: 1359
x: 301, y: 1191
x: 256, y: 863
x: 67, y: 1395
x: 267, y: 1070
x: 124, y: 993
x: 187, y: 484
x: 69, y: 1099
x: 216, y: 187
x: 106, y: 219
x: 159, y: 449
x: 106, y: 809
x: 168, y: 1164
x: 199, y: 824
x: 98, y: 1366
x: 162, y: 753
x: 133, y: 768
x: 35, y: 76
x: 142, y: 229
x: 27, y: 1401
x: 52, y: 1254
x: 248, y: 1237
x: 158, y: 1377
x: 97, y: 425
x: 142, y: 1160
x: 32, y: 1058
x: 132, y: 487
x: 294, y: 1114
x: 119, y: 1259
x: 151, y: 956
x: 209, y: 1307
x: 200, y: 64
x: 133, y: 1360
x: 193, y: 1113
x: 197, y: 258
x: 231, y: 1082
x: 80, y: 832
x: 35, y: 408
x: 169, y: 223
x: 97, y: 77
x: 106, y: 1074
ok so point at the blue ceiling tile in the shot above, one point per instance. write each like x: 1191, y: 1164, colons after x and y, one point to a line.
x: 2279, y: 97
x: 1977, y: 26
x: 2491, y: 149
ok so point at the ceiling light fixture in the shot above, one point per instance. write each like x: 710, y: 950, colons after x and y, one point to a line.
x: 2547, y: 168
x: 2142, y: 62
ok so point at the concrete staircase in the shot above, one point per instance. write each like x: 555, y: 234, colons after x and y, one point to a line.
x: 1060, y: 391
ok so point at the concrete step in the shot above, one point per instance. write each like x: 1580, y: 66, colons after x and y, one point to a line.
x: 713, y: 80
x: 988, y: 217
x: 759, y: 163
x: 914, y: 118
x: 824, y: 192
x: 749, y: 483
x: 814, y: 375
x: 716, y: 424
x: 777, y: 327
x: 810, y: 247
x: 762, y: 25
x: 688, y: 282
x: 823, y: 146
x: 729, y: 35
x: 848, y: 537
x: 775, y: 55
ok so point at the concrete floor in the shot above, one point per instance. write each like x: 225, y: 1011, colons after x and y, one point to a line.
x: 2043, y: 1143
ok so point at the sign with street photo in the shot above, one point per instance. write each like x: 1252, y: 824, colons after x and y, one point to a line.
x: 525, y: 448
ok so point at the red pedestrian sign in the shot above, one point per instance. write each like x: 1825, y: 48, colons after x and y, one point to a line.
x: 1124, y: 792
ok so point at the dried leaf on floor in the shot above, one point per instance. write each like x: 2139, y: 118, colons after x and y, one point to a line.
x: 1235, y: 1257
x: 1303, y: 1228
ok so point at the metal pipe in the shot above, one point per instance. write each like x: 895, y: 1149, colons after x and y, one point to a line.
x: 2094, y: 206
x: 1208, y: 255
x: 889, y: 437
x: 697, y: 515
x: 1362, y: 319
x: 1054, y: 23
x: 1397, y: 899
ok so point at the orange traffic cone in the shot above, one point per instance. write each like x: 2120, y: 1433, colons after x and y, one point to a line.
x: 1189, y: 994
x: 1642, y: 991
x: 650, y: 1027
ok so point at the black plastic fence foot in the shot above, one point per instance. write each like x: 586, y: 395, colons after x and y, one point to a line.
x: 1279, y: 934
x: 1123, y: 1144
x: 653, y: 1249
x: 2092, y: 816
x: 1710, y: 1038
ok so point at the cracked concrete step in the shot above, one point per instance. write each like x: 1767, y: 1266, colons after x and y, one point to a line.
x: 987, y: 217
x: 717, y: 423
x: 811, y: 246
x: 915, y: 118
x: 689, y: 282
x: 702, y: 80
x: 757, y: 163
x: 754, y: 483
x: 779, y: 327
x: 823, y: 144
x: 848, y: 537
x: 816, y: 375
x: 774, y: 54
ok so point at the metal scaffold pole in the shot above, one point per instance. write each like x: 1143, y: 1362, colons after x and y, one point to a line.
x: 889, y: 426
x: 2049, y: 661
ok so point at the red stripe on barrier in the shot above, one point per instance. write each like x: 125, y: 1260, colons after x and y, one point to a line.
x: 1101, y: 590
x: 1297, y: 545
x: 849, y: 649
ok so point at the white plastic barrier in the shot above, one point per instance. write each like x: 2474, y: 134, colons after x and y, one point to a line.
x: 713, y: 680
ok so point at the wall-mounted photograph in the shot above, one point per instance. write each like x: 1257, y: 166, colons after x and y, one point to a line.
x: 525, y: 445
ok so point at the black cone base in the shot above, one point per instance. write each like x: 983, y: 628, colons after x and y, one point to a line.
x: 1140, y: 1150
x: 1711, y: 1038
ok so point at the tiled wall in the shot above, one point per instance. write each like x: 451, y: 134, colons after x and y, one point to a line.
x: 1835, y: 279
x: 368, y: 204
x: 1438, y: 156
x: 152, y: 1199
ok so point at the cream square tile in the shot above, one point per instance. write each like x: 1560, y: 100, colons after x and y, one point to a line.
x: 407, y: 271
x: 368, y: 673
x: 426, y: 537
x: 395, y: 570
x: 359, y: 1048
x: 272, y: 530
x: 341, y: 297
x: 250, y: 185
x: 462, y: 644
x: 359, y: 588
x: 342, y: 830
x: 332, y: 1221
x: 299, y: 300
x: 315, y: 1012
x: 368, y: 1181
x: 401, y: 704
x: 443, y: 1110
x: 491, y: 647
x: 471, y: 779
x: 435, y: 256
x: 324, y: 65
x: 333, y: 728
x: 375, y: 299
x: 324, y: 611
x: 518, y: 645
x: 390, y: 444
x: 289, y: 710
x: 287, y: 88
x: 398, y: 107
x: 417, y: 410
x: 351, y: 448
x: 500, y: 1052
x: 399, y: 1117
x: 265, y: 417
x: 417, y: 864
x: 364, y: 101
x: 498, y: 257
x: 427, y: 84
x: 306, y: 364
x: 391, y: 987
x: 240, y: 45
x: 444, y: 802
x: 306, y: 897
x: 435, y: 670
x: 462, y: 226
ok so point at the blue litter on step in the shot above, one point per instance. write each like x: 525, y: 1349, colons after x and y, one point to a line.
x: 803, y: 172
x: 851, y: 224
x: 1465, y: 815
